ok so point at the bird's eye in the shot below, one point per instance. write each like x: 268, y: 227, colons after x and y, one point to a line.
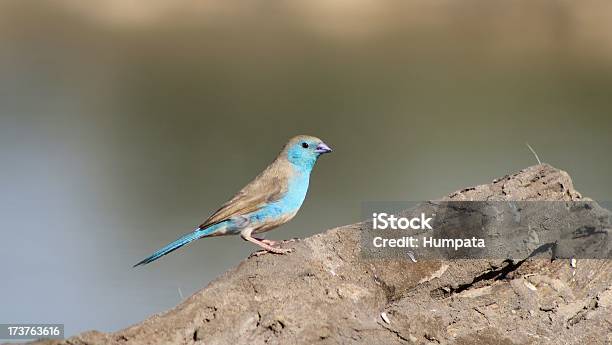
x: 305, y: 145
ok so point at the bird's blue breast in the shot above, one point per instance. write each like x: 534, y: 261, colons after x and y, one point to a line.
x: 287, y: 205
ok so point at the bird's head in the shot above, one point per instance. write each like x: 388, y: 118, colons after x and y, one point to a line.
x: 303, y: 151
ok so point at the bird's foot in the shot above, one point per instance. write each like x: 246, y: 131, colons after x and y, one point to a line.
x: 275, y: 243
x: 265, y: 244
x: 280, y: 251
x: 258, y: 253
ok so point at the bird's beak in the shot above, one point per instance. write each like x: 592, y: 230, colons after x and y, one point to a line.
x: 323, y: 148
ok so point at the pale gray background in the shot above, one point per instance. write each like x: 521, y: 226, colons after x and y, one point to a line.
x: 125, y: 124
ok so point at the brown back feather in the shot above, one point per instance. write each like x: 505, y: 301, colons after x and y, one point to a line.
x: 267, y: 187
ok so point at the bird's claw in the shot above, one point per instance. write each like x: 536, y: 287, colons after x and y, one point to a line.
x: 258, y: 253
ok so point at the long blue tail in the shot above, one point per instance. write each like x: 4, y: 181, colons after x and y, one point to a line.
x: 192, y: 236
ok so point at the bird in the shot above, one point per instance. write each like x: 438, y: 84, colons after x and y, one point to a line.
x: 271, y: 199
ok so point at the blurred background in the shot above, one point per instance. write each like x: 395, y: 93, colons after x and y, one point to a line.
x: 123, y: 124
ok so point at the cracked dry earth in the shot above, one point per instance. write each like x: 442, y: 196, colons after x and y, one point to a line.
x: 326, y: 293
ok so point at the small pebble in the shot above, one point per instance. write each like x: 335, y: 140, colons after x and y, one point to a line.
x: 411, y: 256
x: 385, y: 318
x: 530, y: 286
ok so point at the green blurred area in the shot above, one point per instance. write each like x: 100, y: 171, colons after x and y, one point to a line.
x: 124, y: 124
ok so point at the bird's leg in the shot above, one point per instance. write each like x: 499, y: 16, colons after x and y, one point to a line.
x: 268, y: 242
x: 246, y: 235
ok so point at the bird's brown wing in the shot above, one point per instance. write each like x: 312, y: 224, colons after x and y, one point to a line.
x: 268, y: 187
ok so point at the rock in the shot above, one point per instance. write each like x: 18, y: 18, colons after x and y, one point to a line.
x: 326, y: 293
